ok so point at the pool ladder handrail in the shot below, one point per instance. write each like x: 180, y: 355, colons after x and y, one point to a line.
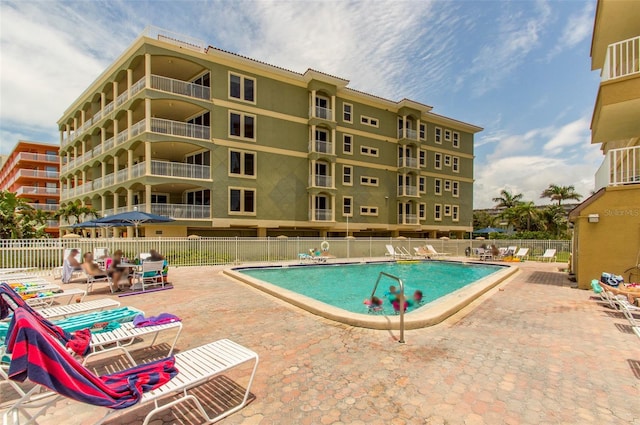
x: 402, y: 299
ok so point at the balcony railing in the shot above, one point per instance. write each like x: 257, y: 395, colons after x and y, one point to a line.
x: 108, y: 108
x: 180, y: 211
x: 620, y: 166
x: 138, y: 170
x: 322, y: 215
x: 122, y: 98
x: 180, y: 87
x: 622, y: 59
x: 46, y: 207
x: 321, y: 146
x: 108, y: 144
x: 39, y: 157
x: 320, y: 112
x: 407, y: 219
x: 408, y: 162
x: 52, y: 223
x: 407, y: 191
x: 43, y: 174
x: 137, y: 86
x: 178, y: 128
x: 32, y: 190
x: 96, y: 151
x: 97, y: 183
x: 407, y: 134
x: 122, y: 175
x: 321, y: 181
x: 178, y: 169
x: 138, y: 128
x: 108, y: 180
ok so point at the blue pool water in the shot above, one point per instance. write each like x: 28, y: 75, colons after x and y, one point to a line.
x: 346, y: 286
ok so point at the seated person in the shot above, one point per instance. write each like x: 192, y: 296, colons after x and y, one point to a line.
x: 91, y: 268
x: 70, y: 265
x: 115, y: 271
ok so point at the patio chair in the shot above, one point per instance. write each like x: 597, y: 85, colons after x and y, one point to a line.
x: 91, y: 280
x: 122, y: 390
x: 549, y: 254
x: 395, y: 252
x: 63, y: 311
x: 150, y: 274
x: 522, y: 254
x: 433, y: 251
x: 422, y: 252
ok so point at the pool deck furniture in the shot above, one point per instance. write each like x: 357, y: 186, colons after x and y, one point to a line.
x: 522, y: 254
x: 395, y: 253
x: 150, y: 274
x: 61, y: 311
x: 435, y: 253
x: 549, y: 254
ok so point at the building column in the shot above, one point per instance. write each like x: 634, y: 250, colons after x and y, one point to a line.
x: 116, y: 164
x: 333, y: 175
x: 129, y: 78
x: 115, y: 92
x: 147, y: 158
x: 115, y: 132
x: 333, y: 108
x: 333, y: 207
x: 83, y: 116
x: 103, y: 101
x: 130, y: 199
x: 313, y: 103
x: 115, y: 203
x: 261, y: 232
x: 147, y: 198
x: 129, y: 164
x: 147, y: 70
x: 75, y: 152
x: 333, y: 141
x: 129, y: 123
x: 147, y: 114
x: 84, y: 147
x: 68, y: 127
x: 103, y: 137
x: 84, y: 176
x: 75, y: 124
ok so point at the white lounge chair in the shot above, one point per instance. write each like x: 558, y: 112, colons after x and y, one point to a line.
x: 549, y: 254
x: 150, y: 274
x: 395, y: 252
x: 432, y: 250
x: 61, y: 311
x: 422, y: 252
x: 522, y: 254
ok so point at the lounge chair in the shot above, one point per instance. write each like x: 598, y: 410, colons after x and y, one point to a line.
x: 422, y: 252
x: 62, y: 311
x: 132, y: 387
x: 549, y: 254
x: 150, y: 274
x: 522, y: 254
x: 395, y: 252
x: 433, y: 251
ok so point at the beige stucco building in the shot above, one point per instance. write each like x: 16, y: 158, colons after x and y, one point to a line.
x: 607, y: 225
x: 230, y: 146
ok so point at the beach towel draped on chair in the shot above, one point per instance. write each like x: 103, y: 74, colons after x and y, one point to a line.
x: 35, y: 354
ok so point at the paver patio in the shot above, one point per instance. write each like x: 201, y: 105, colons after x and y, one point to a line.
x: 533, y: 350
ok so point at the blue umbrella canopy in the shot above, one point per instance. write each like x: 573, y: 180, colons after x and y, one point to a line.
x: 89, y: 224
x: 488, y: 230
x: 134, y: 218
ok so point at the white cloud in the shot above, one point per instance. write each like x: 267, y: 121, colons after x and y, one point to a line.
x: 572, y: 134
x: 578, y: 28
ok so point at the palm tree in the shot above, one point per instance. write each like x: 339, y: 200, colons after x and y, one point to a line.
x: 554, y: 220
x: 507, y: 199
x: 77, y: 211
x: 14, y: 215
x: 560, y: 193
x: 526, y: 211
x: 483, y: 219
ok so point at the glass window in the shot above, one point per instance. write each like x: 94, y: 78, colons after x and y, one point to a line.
x: 248, y: 127
x: 456, y: 164
x: 347, y: 144
x: 422, y: 158
x: 242, y: 163
x: 234, y: 200
x: 234, y: 125
x: 242, y: 125
x: 437, y: 189
x: 454, y: 213
x: 456, y: 140
x: 437, y: 212
x: 437, y: 161
x: 234, y: 162
x: 455, y: 188
x: 248, y: 89
x: 447, y: 160
x: 346, y: 205
x: 249, y: 196
x: 347, y: 171
x: 423, y: 131
x: 242, y: 88
x: 346, y: 112
x: 438, y: 135
x: 422, y: 184
x: 234, y: 86
x: 422, y: 211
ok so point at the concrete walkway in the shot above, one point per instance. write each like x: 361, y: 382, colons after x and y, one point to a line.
x: 531, y: 351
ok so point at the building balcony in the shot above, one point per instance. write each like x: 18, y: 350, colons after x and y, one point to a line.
x: 32, y: 190
x: 619, y: 167
x: 184, y: 88
x: 321, y: 215
x: 179, y: 211
x: 182, y: 129
x: 408, y: 191
x: 408, y: 162
x: 410, y: 219
x: 321, y: 113
x: 321, y: 181
x: 321, y: 146
x: 407, y: 133
x: 45, y: 207
x: 615, y: 115
x: 36, y: 157
x: 52, y: 224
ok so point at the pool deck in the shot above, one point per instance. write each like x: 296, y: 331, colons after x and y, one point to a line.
x: 532, y: 350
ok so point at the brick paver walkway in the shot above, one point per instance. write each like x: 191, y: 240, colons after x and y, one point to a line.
x: 533, y: 351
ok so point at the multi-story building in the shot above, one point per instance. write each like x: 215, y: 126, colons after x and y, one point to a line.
x: 31, y: 171
x: 228, y: 145
x: 607, y: 225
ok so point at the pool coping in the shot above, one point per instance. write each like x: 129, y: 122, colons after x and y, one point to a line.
x: 428, y: 315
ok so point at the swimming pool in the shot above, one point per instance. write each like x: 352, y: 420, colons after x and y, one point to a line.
x: 434, y: 278
x: 346, y: 286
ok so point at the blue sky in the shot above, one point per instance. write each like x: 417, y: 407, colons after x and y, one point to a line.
x: 520, y: 69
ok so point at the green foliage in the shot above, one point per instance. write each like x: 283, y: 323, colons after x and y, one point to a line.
x: 19, y: 220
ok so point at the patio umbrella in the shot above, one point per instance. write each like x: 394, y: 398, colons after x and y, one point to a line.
x: 488, y: 230
x: 133, y: 218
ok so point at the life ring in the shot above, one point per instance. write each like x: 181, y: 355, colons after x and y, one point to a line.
x: 324, y: 246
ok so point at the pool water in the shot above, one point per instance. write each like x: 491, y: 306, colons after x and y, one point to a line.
x: 347, y: 286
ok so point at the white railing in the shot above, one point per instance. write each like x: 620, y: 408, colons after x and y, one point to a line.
x: 138, y: 170
x: 97, y: 183
x: 46, y: 207
x: 108, y: 180
x: 321, y: 146
x: 322, y: 215
x: 174, y: 38
x: 408, y: 162
x: 407, y: 191
x: 96, y: 151
x: 87, y: 156
x: 32, y: 190
x: 38, y: 173
x: 108, y: 212
x: 407, y: 219
x: 96, y: 117
x: 122, y: 175
x: 622, y: 59
x: 178, y: 128
x: 137, y: 128
x: 84, y: 188
x: 408, y: 133
x: 321, y: 181
x: 320, y: 112
x: 122, y: 98
x: 64, y: 194
x: 137, y: 86
x: 620, y: 166
x: 122, y: 137
x: 185, y: 88
x: 178, y: 169
x: 181, y: 211
x: 26, y: 156
x: 121, y: 209
x: 108, y: 108
x: 108, y: 144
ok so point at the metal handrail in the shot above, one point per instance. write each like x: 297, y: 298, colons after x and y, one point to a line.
x: 402, y: 299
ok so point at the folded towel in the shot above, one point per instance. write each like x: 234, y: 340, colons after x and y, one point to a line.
x: 140, y: 321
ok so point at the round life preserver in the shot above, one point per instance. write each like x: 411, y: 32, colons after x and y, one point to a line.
x: 324, y: 245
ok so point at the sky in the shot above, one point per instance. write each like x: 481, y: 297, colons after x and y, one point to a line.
x: 519, y: 69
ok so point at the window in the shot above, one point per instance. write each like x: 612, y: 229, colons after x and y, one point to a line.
x: 447, y: 210
x: 368, y: 181
x: 242, y: 201
x: 437, y: 161
x: 203, y: 80
x: 437, y: 188
x: 373, y: 122
x: 422, y: 211
x: 456, y: 164
x: 455, y: 216
x: 202, y: 119
x: 422, y: 158
x: 200, y: 158
x: 347, y: 173
x: 437, y: 212
x: 455, y: 189
x: 368, y: 210
x: 447, y: 160
x: 456, y: 139
x: 447, y: 185
x: 347, y: 144
x: 347, y: 202
x: 347, y: 110
x: 159, y: 198
x: 242, y: 88
x: 242, y: 163
x: 198, y: 197
x: 422, y: 184
x: 367, y: 150
x: 323, y: 108
x: 423, y: 132
x: 438, y: 133
x: 242, y: 125
x: 447, y: 135
x: 51, y: 187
